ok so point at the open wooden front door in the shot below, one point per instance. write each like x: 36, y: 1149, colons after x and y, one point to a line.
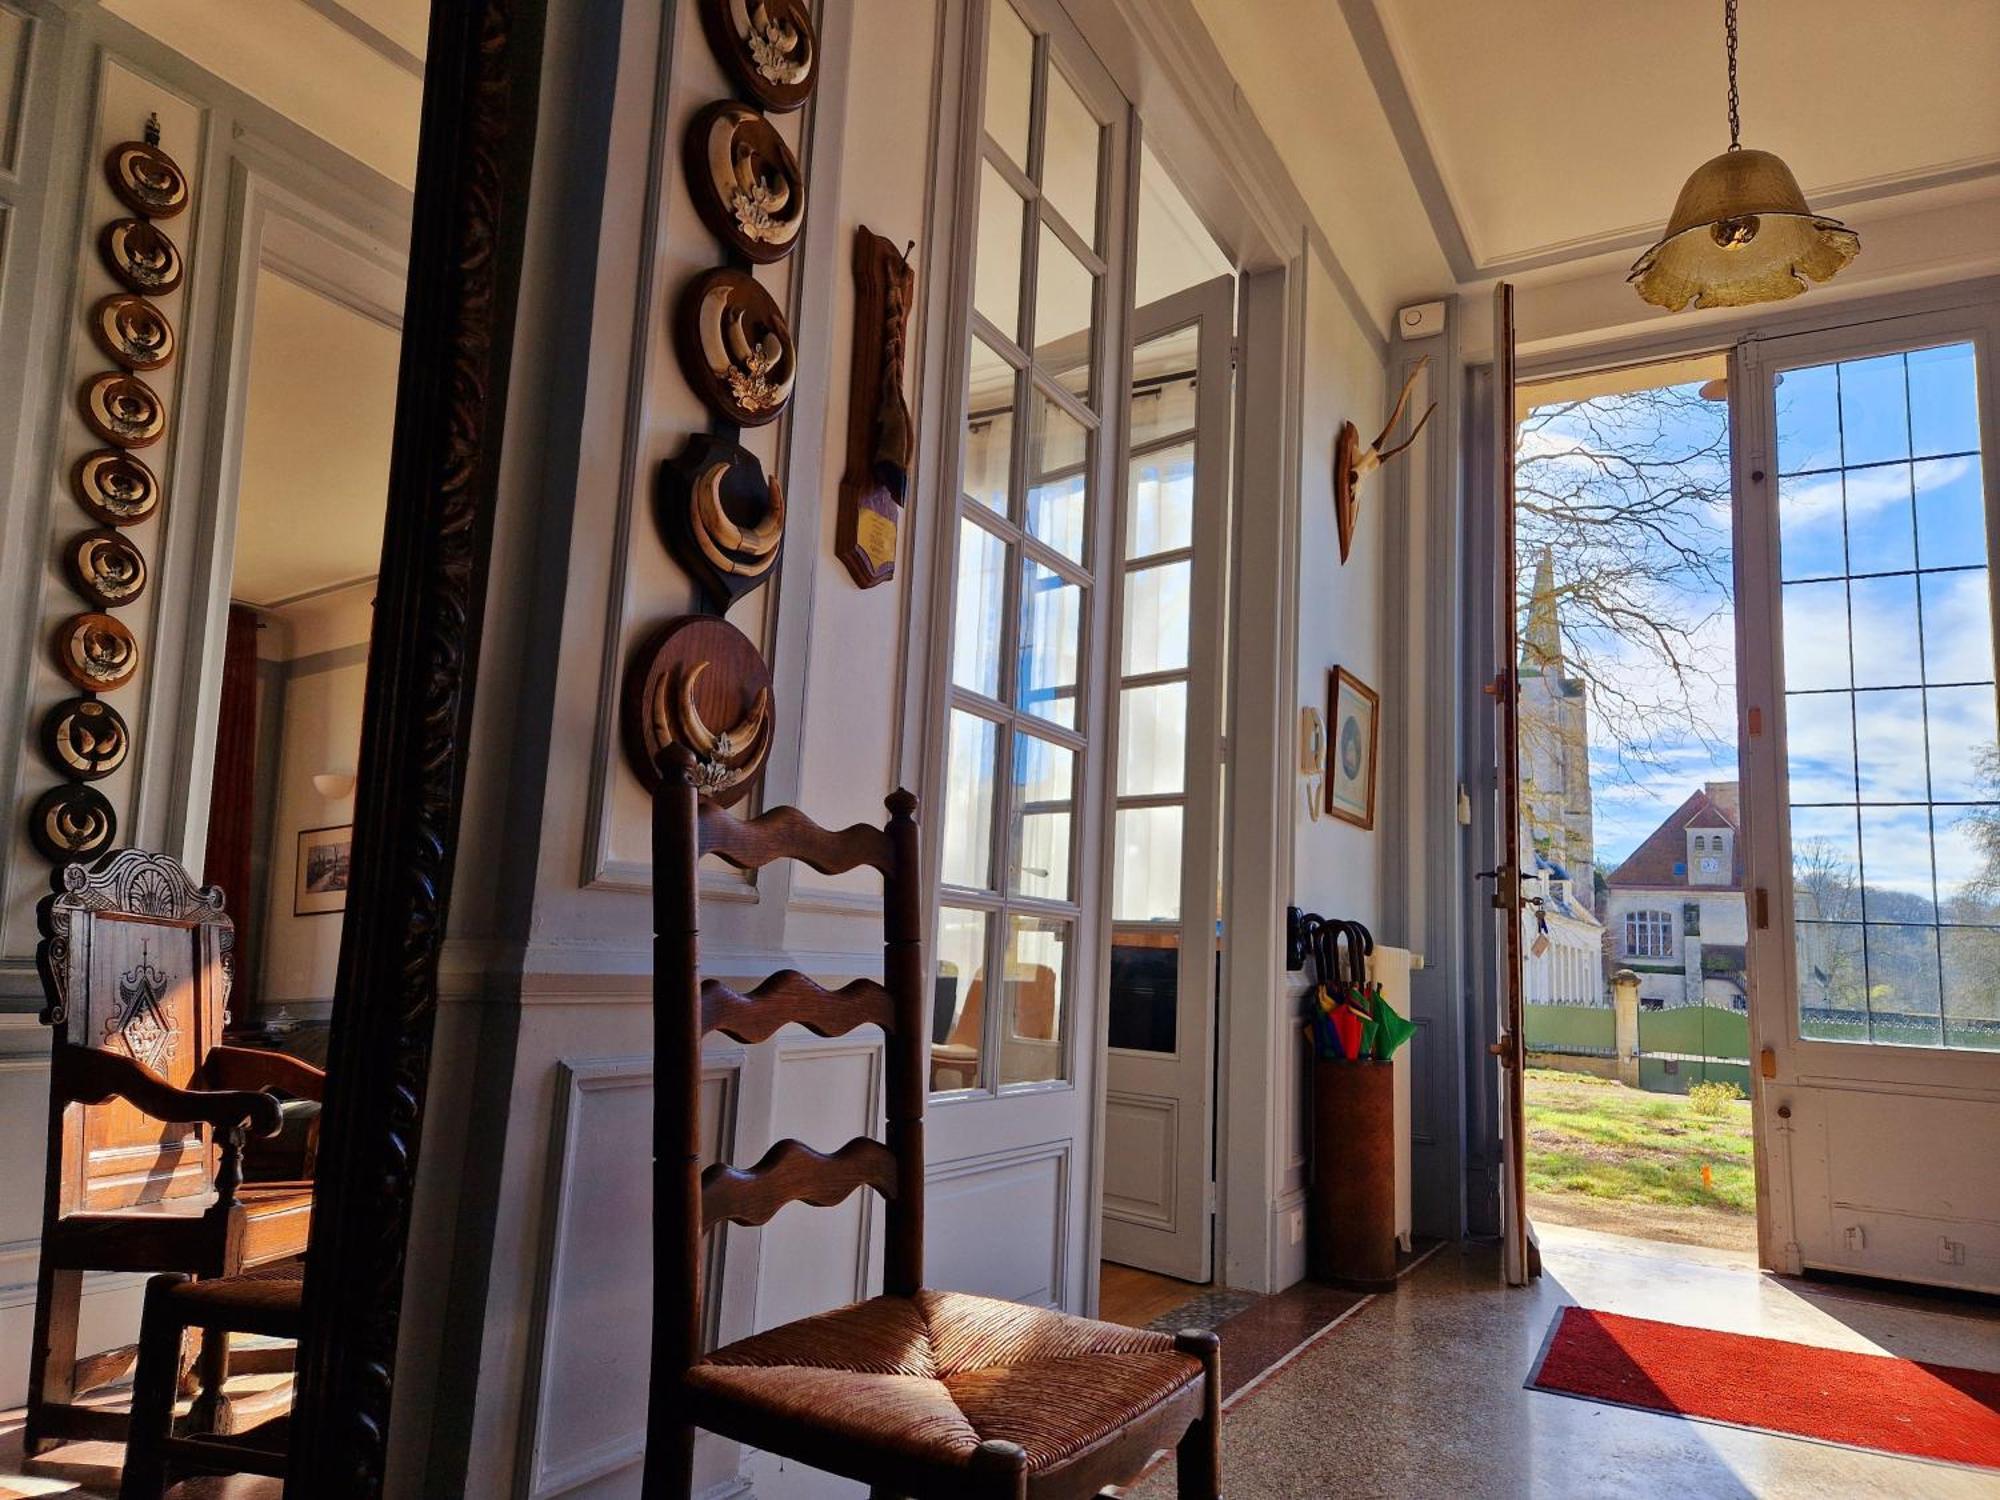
x: 1522, y: 1261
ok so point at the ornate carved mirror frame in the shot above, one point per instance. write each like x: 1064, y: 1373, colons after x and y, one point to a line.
x: 474, y: 148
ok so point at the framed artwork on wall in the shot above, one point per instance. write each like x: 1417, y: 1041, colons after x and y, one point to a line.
x: 1353, y: 709
x: 319, y: 885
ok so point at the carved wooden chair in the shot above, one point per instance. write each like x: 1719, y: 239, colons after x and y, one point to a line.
x: 915, y: 1392
x: 148, y: 1114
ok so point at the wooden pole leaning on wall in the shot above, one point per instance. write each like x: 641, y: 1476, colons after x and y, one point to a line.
x: 904, y: 1056
x: 677, y: 1032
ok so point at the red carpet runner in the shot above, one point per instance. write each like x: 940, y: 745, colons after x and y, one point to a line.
x: 1864, y: 1400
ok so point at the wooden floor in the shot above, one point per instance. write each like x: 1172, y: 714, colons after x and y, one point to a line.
x: 1127, y: 1295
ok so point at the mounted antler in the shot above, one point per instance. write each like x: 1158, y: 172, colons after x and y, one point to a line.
x: 1351, y: 460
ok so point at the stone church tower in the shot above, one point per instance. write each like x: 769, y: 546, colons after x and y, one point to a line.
x: 1555, y: 742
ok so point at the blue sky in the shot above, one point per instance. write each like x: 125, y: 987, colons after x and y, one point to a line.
x: 1636, y: 780
x: 1879, y: 482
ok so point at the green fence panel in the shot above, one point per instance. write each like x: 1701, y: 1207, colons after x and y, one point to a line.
x: 1665, y: 1075
x: 1570, y: 1028
x: 1695, y: 1031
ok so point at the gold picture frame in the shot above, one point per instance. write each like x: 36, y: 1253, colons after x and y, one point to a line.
x: 1354, y: 736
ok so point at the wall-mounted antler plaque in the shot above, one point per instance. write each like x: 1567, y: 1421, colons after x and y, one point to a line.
x: 132, y: 332
x: 141, y: 256
x: 769, y: 48
x: 71, y: 822
x: 122, y: 409
x: 116, y: 488
x: 745, y: 182
x: 698, y: 673
x: 735, y: 348
x: 105, y: 568
x: 146, y: 179
x: 85, y: 738
x: 96, y: 652
x: 880, y: 439
x: 720, y: 517
x: 1351, y: 461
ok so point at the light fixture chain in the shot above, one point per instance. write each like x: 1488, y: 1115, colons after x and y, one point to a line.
x: 1729, y: 27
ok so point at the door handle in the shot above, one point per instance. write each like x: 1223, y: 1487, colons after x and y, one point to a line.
x: 1503, y: 1049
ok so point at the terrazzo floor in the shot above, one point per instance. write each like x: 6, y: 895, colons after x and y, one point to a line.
x: 1421, y: 1392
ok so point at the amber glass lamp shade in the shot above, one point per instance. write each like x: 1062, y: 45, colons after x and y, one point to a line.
x: 1741, y: 233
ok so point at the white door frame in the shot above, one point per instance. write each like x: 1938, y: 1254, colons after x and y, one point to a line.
x: 1799, y: 1072
x: 1176, y: 1237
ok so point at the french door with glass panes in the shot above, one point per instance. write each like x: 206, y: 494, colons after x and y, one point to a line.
x: 1024, y: 683
x: 1173, y: 551
x: 1866, y: 518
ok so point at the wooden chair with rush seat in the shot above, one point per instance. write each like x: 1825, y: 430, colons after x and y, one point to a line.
x: 148, y: 1115
x: 916, y: 1392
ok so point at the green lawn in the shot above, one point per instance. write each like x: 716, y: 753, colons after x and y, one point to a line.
x: 1596, y: 1139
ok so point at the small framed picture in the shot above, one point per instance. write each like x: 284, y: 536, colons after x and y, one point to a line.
x: 1353, y: 710
x: 320, y: 885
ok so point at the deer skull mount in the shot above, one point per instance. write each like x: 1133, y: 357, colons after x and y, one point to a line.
x: 1351, y: 460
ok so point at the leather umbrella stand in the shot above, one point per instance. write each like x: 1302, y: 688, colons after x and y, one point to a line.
x: 1351, y: 1239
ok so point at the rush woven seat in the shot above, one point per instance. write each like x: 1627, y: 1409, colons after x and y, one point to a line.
x: 925, y: 1380
x: 265, y: 1301
x: 916, y: 1393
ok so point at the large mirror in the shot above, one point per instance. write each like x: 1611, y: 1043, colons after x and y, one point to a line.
x: 292, y: 361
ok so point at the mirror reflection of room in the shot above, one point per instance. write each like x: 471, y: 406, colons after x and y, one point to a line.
x: 310, y: 498
x: 217, y: 240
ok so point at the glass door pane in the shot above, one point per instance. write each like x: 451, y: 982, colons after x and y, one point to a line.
x: 1893, y: 777
x: 1149, y: 826
x: 1022, y: 623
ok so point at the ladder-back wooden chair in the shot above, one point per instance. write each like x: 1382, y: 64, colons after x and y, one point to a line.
x: 916, y: 1392
x: 148, y: 1114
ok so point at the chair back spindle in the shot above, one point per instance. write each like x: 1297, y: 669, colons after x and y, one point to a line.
x: 688, y: 1200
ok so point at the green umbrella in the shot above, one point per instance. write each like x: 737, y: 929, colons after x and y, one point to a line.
x: 1392, y: 1030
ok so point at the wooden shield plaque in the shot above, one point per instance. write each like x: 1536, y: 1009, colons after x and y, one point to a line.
x: 72, y: 821
x: 96, y: 652
x: 745, y: 182
x: 769, y: 48
x: 115, y: 487
x: 697, y: 673
x: 735, y: 348
x: 85, y: 738
x: 141, y: 256
x: 123, y: 410
x: 719, y: 516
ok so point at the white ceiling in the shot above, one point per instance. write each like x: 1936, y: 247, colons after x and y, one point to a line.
x: 1443, y: 142
x: 1560, y: 124
x: 319, y: 414
x: 1300, y: 74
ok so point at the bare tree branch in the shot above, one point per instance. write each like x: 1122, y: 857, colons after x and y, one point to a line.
x: 1629, y: 496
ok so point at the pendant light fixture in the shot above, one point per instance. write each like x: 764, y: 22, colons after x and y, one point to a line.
x: 1741, y: 230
